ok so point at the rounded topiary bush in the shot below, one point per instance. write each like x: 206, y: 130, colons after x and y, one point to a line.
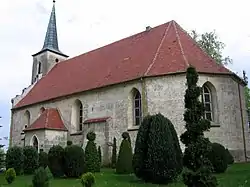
x: 156, y: 156
x: 69, y: 142
x: 230, y: 158
x: 14, y: 159
x: 55, y: 160
x: 88, y: 179
x: 125, y: 135
x: 10, y: 175
x: 125, y: 156
x: 30, y: 159
x: 91, y: 154
x: 40, y: 178
x: 91, y: 136
x: 218, y: 157
x: 74, y: 161
x: 43, y: 159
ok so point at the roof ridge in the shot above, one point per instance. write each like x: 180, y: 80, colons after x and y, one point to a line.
x: 179, y: 42
x: 158, y: 49
x: 197, y: 45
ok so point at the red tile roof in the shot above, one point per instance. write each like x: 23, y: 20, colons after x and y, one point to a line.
x: 49, y: 119
x: 96, y: 120
x: 164, y: 49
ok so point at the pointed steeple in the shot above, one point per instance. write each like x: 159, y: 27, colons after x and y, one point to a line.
x: 51, y: 41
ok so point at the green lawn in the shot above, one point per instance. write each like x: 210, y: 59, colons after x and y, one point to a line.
x: 237, y: 175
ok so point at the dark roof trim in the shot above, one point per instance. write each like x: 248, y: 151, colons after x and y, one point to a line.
x: 53, y: 51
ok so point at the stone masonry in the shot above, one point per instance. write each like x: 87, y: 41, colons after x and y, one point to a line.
x: 164, y: 94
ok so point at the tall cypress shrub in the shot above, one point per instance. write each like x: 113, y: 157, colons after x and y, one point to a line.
x: 114, y: 154
x: 125, y: 156
x: 92, y: 158
x: 196, y: 155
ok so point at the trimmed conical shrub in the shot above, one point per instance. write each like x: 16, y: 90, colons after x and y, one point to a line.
x: 91, y: 153
x: 179, y: 154
x: 114, y: 154
x: 157, y: 157
x: 125, y: 156
x: 141, y: 149
x: 74, y: 161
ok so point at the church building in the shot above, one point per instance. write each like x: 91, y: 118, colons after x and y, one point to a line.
x: 110, y: 89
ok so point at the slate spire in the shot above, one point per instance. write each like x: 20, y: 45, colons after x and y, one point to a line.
x: 51, y: 41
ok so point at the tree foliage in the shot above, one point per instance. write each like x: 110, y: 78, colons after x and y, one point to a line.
x: 30, y: 159
x: 157, y: 156
x: 210, y: 43
x: 14, y: 159
x: 74, y: 161
x: 55, y: 158
x: 100, y: 155
x: 196, y: 155
x: 114, y: 154
x: 92, y: 157
x: 125, y: 156
x: 43, y: 159
x: 219, y: 158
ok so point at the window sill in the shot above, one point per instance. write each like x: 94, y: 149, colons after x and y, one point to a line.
x: 133, y: 128
x: 76, y: 133
x: 213, y: 124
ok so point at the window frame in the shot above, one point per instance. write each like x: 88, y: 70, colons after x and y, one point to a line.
x: 210, y: 102
x: 137, y: 109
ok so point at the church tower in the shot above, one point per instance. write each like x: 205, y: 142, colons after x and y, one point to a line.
x: 50, y: 55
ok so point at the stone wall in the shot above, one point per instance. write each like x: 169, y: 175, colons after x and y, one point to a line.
x: 164, y: 94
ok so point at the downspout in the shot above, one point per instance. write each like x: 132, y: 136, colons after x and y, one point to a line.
x: 144, y: 98
x: 242, y: 124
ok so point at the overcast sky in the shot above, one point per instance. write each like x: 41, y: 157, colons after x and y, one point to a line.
x: 85, y: 25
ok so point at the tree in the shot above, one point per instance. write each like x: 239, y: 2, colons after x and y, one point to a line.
x: 55, y: 160
x: 2, y: 154
x: 14, y: 159
x: 210, y: 43
x: 74, y: 161
x: 157, y: 156
x: 100, y: 155
x: 196, y: 154
x: 125, y: 156
x: 92, y: 157
x: 30, y: 159
x: 114, y: 154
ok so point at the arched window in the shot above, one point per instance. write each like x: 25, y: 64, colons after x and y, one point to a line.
x: 34, y: 142
x: 77, y: 115
x: 27, y: 118
x: 137, y: 108
x: 207, y: 101
x: 42, y: 109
